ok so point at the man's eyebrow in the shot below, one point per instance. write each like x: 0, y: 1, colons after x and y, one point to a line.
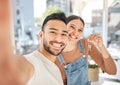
x: 57, y: 29
x: 52, y: 28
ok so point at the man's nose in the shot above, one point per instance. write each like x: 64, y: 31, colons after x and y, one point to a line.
x: 58, y: 38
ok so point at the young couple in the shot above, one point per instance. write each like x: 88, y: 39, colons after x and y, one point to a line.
x: 61, y: 45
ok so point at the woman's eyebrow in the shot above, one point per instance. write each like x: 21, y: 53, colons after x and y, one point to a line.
x: 65, y: 31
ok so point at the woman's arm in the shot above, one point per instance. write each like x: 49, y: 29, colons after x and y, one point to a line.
x: 100, y: 55
x: 104, y: 60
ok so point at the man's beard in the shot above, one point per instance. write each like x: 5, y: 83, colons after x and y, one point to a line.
x: 47, y: 48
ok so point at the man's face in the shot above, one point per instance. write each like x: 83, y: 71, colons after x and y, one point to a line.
x: 55, y: 36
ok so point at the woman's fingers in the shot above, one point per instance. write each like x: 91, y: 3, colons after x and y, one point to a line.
x: 95, y: 38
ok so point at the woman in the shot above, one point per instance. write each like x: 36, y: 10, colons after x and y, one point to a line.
x: 74, y: 56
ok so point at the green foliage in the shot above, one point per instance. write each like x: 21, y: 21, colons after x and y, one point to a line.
x: 38, y: 22
x: 91, y: 63
x: 37, y: 19
x: 51, y: 10
x: 92, y: 66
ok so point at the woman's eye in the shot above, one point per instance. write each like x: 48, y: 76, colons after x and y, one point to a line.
x: 79, y: 30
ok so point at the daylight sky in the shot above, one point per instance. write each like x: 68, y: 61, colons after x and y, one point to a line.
x: 39, y: 7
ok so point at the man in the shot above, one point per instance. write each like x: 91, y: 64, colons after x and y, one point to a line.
x: 8, y: 68
x: 38, y: 67
x: 53, y: 40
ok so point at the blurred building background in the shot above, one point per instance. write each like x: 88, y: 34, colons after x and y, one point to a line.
x: 24, y: 24
x: 28, y: 17
x: 64, y: 5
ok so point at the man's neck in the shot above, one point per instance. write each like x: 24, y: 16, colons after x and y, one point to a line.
x: 47, y: 55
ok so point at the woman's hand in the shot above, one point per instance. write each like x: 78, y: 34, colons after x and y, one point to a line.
x: 96, y: 40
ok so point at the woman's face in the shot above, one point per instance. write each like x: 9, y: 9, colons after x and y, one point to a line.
x: 75, y: 30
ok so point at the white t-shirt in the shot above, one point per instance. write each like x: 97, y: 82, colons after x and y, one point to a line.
x: 46, y: 72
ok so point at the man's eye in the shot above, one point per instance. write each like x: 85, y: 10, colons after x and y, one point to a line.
x: 52, y: 32
x: 64, y: 34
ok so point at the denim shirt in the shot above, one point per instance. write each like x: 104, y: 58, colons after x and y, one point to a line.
x: 77, y: 71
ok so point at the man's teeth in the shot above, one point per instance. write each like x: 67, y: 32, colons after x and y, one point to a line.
x: 57, y: 45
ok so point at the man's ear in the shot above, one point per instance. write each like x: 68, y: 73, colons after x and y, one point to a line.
x: 40, y: 34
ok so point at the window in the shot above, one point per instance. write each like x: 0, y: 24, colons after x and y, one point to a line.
x: 18, y: 21
x: 18, y: 12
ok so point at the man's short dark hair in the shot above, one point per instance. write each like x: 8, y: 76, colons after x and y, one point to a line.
x: 55, y: 16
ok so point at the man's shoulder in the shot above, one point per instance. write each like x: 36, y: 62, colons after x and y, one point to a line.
x: 32, y: 54
x: 32, y: 57
x: 25, y: 68
x: 23, y: 62
x: 28, y: 55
